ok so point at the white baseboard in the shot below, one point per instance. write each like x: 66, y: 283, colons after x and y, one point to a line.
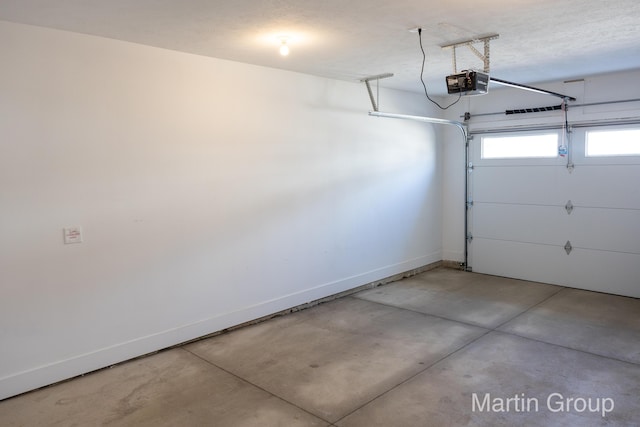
x: 54, y: 372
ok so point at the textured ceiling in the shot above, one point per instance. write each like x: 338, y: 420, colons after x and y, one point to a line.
x: 540, y: 40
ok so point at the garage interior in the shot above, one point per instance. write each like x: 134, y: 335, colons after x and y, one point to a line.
x: 199, y: 230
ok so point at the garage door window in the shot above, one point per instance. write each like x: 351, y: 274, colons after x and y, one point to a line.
x: 606, y: 143
x: 520, y: 146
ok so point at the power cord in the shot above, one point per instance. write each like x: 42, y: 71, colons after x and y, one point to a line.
x: 424, y: 59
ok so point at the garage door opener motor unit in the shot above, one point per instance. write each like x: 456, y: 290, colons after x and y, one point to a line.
x: 468, y: 83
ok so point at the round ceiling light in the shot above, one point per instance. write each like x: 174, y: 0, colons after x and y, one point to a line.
x: 284, y: 47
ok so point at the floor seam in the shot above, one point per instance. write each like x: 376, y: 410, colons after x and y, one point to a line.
x: 567, y: 348
x: 488, y: 331
x: 496, y: 329
x: 530, y: 308
x: 426, y: 314
x: 563, y: 288
x: 255, y: 385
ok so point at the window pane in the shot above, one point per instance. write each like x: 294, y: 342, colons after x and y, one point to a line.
x: 522, y: 146
x: 613, y: 143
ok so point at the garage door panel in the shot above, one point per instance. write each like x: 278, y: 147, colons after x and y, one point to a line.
x: 613, y: 186
x: 541, y: 185
x: 582, y: 268
x: 603, y: 271
x: 540, y: 263
x: 616, y: 230
x: 521, y: 223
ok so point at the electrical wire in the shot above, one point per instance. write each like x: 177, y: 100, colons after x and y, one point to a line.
x: 424, y: 59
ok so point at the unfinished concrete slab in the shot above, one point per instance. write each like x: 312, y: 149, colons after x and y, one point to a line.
x: 334, y: 358
x: 478, y: 299
x: 603, y: 324
x: 516, y: 382
x: 171, y: 388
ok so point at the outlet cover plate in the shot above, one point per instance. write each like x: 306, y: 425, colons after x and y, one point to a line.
x: 72, y: 235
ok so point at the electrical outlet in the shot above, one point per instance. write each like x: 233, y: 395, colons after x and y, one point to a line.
x: 72, y: 235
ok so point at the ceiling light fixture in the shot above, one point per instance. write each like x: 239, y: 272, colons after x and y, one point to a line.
x: 284, y: 47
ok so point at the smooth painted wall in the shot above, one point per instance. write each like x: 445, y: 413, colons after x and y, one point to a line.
x: 209, y: 193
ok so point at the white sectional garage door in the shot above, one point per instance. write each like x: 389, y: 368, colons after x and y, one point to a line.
x: 536, y: 219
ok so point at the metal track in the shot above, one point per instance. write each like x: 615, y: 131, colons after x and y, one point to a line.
x: 463, y: 129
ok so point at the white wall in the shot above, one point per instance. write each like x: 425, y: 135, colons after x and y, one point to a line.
x: 209, y: 193
x: 591, y: 89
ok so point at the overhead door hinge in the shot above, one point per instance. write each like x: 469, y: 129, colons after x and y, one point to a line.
x: 569, y: 207
x: 567, y: 247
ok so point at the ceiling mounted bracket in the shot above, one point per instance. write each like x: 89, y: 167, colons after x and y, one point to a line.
x: 377, y: 78
x: 484, y: 56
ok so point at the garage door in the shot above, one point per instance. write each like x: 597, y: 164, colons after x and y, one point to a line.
x: 571, y: 219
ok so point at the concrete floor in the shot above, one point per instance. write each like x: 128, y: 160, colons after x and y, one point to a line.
x: 412, y: 353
